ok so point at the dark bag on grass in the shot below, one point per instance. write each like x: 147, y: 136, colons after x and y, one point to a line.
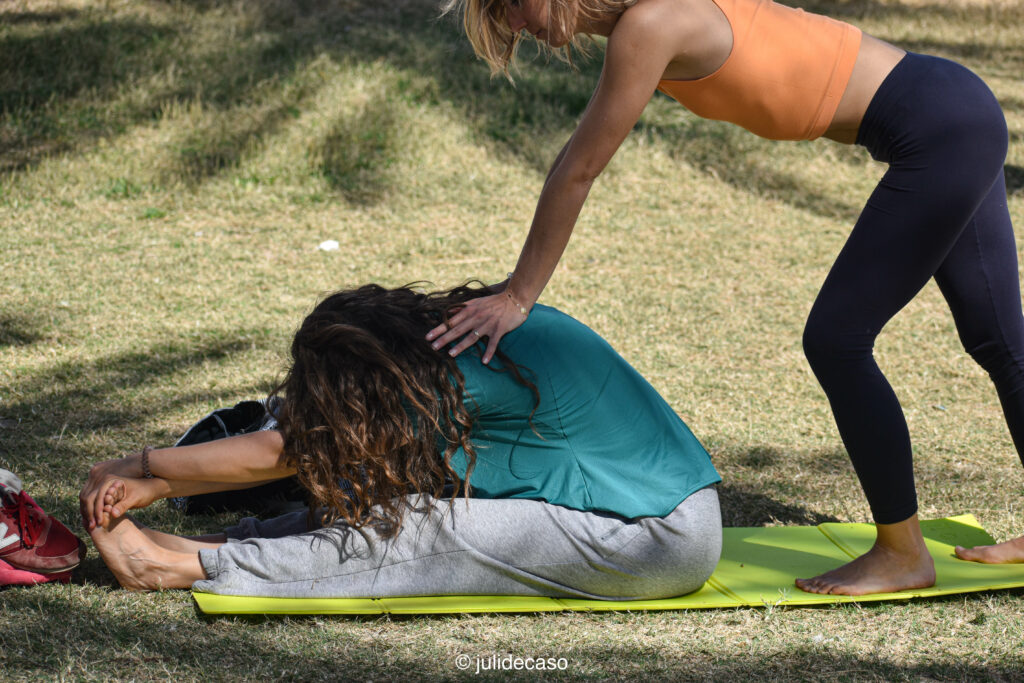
x: 244, y: 418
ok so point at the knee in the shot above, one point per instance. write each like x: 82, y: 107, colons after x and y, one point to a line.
x: 681, y: 553
x: 996, y: 358
x: 816, y: 342
x: 826, y: 342
x: 658, y: 571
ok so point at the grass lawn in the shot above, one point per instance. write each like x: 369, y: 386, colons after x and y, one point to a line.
x: 167, y: 170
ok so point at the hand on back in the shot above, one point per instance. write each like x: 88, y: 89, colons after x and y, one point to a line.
x: 490, y: 317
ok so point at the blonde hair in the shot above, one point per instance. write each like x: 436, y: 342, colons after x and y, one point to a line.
x: 486, y: 24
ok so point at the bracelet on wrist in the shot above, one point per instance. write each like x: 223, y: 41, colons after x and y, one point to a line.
x: 522, y: 309
x: 146, y: 473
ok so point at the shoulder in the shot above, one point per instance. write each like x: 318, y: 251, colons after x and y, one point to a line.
x: 670, y: 28
x: 647, y: 20
x: 550, y: 341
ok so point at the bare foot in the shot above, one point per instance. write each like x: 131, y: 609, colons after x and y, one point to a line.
x: 1009, y: 552
x: 139, y: 564
x: 898, y: 561
x: 183, y: 544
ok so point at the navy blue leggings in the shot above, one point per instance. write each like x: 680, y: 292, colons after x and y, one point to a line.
x: 939, y: 211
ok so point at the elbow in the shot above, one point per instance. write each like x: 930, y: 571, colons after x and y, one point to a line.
x: 582, y: 176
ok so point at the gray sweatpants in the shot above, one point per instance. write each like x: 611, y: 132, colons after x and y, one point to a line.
x: 488, y: 547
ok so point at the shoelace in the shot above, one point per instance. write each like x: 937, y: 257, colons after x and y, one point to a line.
x: 28, y: 516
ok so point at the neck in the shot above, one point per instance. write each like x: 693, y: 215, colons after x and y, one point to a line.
x: 601, y: 25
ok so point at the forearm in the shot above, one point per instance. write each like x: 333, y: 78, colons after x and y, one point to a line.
x: 245, y: 460
x: 558, y: 209
x: 491, y: 317
x: 176, y: 488
x: 558, y: 160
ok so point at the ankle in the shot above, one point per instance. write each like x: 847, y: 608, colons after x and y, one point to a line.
x: 909, y: 553
x: 902, y: 540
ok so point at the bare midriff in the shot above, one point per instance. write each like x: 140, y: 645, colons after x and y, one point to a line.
x: 874, y: 62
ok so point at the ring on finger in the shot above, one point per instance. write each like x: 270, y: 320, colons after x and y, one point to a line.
x: 476, y: 334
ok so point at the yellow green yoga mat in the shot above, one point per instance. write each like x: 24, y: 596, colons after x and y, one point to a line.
x: 757, y: 568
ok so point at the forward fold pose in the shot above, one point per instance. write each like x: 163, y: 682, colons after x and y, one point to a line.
x: 939, y: 211
x: 582, y: 481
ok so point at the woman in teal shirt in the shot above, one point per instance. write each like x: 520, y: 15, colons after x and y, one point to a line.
x: 556, y: 470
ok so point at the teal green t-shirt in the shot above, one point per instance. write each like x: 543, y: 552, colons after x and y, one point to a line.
x: 601, y: 438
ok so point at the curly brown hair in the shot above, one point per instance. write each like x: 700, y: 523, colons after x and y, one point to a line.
x: 368, y: 401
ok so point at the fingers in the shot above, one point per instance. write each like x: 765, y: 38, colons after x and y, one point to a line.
x: 102, y: 498
x: 88, y: 498
x: 85, y: 500
x: 472, y: 338
x: 91, y: 500
x: 83, y: 511
x: 114, y: 495
x: 436, y: 332
x: 492, y: 347
x: 490, y: 316
x: 457, y: 326
x: 444, y: 329
x: 97, y: 507
x: 87, y: 508
x: 115, y: 491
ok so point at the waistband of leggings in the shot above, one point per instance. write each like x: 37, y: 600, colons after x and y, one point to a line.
x: 896, y: 86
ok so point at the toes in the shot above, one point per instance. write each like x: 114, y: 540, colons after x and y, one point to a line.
x: 815, y: 585
x: 970, y: 554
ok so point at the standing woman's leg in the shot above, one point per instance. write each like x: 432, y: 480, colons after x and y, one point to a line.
x: 980, y: 281
x: 943, y: 134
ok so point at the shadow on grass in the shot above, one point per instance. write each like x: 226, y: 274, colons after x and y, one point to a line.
x: 44, y: 72
x: 1014, y: 179
x: 744, y: 506
x: 355, y: 154
x: 1012, y: 104
x: 730, y: 154
x: 14, y: 18
x: 219, y: 145
x: 74, y: 79
x: 118, y: 391
x: 98, y: 56
x: 19, y: 329
x: 115, y: 636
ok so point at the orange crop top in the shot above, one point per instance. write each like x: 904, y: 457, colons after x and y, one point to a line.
x: 785, y: 75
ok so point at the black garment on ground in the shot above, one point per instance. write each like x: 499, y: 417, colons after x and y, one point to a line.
x: 243, y: 418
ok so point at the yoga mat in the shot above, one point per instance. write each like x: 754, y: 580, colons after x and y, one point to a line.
x: 757, y: 569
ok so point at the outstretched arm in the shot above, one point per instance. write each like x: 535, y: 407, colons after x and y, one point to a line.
x: 125, y: 493
x: 635, y: 59
x: 235, y: 462
x: 239, y: 459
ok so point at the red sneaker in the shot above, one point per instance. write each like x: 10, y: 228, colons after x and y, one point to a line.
x: 9, y: 576
x: 30, y: 539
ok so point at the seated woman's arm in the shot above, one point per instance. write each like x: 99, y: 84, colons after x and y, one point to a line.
x: 232, y: 463
x: 243, y: 459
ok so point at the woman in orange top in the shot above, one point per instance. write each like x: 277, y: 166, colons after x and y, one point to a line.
x: 940, y: 210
